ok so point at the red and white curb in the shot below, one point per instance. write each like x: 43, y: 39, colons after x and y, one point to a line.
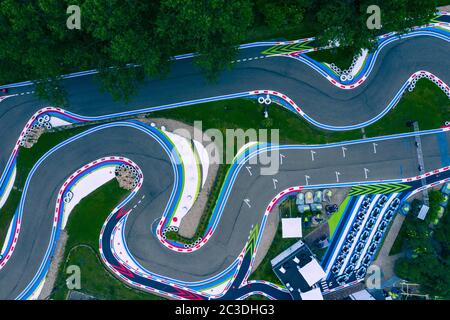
x: 427, y: 174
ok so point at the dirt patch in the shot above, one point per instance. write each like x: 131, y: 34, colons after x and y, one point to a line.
x: 127, y: 176
x: 54, y: 266
x: 270, y: 230
x: 444, y: 8
x: 32, y: 136
x: 339, y: 194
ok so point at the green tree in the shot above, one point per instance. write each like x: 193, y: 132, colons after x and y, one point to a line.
x: 344, y: 22
x: 400, y: 15
x: 279, y: 14
x: 212, y: 28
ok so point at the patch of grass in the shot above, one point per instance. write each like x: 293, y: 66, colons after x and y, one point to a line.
x: 97, y: 281
x: 336, y: 217
x: 81, y: 249
x: 288, y: 208
x: 247, y: 114
x: 427, y: 104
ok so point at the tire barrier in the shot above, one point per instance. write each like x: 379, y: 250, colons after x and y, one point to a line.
x: 266, y: 100
x: 32, y: 134
x: 345, y: 75
x: 68, y: 197
x: 127, y: 176
x: 185, y: 245
x: 427, y: 75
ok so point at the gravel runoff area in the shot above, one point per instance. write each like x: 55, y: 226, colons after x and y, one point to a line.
x: 444, y: 8
x: 191, y: 220
x: 269, y: 233
x: 54, y: 266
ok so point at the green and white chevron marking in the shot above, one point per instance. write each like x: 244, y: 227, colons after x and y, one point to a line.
x: 384, y: 188
x: 287, y: 48
x: 253, y: 237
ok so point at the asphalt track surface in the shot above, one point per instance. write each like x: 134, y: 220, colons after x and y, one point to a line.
x: 395, y: 158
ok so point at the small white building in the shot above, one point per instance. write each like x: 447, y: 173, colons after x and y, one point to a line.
x: 291, y: 227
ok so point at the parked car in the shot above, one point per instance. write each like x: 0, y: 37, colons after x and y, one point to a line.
x: 318, y: 198
x: 309, y: 197
x: 300, y: 200
x: 331, y: 208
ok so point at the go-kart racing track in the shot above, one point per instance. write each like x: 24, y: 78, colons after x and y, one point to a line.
x: 131, y: 242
